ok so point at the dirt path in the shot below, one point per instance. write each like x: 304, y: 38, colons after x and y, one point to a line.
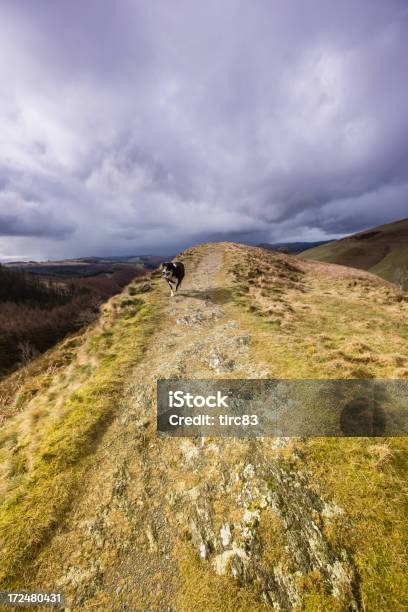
x: 118, y: 530
x: 147, y: 500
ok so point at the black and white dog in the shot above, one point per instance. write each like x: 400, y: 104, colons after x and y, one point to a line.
x: 173, y: 273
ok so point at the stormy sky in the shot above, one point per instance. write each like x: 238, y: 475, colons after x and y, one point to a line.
x: 144, y: 126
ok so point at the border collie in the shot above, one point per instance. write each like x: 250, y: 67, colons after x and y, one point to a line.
x: 173, y: 273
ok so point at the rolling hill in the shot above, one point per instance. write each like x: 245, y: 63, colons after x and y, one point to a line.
x: 291, y: 247
x: 382, y: 250
x: 95, y: 504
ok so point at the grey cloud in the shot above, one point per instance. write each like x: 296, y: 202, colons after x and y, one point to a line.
x: 12, y: 225
x: 25, y: 217
x: 37, y: 225
x: 163, y: 123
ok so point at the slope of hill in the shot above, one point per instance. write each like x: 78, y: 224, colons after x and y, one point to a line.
x: 291, y: 247
x: 382, y: 250
x: 96, y: 505
x: 39, y: 309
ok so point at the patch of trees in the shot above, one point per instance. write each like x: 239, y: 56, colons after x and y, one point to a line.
x: 37, y: 311
x: 23, y: 288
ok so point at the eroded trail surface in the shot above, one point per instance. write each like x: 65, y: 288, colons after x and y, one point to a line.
x: 206, y: 524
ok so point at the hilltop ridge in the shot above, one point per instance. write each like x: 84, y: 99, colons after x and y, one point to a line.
x: 122, y: 519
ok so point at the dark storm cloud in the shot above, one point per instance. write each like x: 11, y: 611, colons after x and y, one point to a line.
x: 33, y: 225
x: 151, y: 125
x: 20, y: 217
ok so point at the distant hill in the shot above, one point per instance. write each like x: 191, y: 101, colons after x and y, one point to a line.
x: 382, y: 250
x: 291, y: 247
x: 86, y: 266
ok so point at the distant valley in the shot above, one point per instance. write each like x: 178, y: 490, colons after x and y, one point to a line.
x: 86, y: 266
x: 42, y: 302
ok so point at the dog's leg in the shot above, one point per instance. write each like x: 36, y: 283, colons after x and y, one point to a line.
x: 171, y: 288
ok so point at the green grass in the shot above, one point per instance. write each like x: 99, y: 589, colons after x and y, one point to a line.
x: 367, y: 478
x: 39, y: 495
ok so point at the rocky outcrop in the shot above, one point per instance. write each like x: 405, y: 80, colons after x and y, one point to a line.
x: 266, y: 503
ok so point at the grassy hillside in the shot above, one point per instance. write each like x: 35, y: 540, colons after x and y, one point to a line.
x: 37, y: 310
x: 382, y: 250
x: 94, y: 503
x: 291, y: 247
x: 321, y: 321
x: 62, y: 410
x: 315, y: 320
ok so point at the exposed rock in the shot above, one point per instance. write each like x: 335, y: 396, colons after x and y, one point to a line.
x: 219, y: 363
x: 151, y: 538
x: 225, y: 534
x: 277, y: 485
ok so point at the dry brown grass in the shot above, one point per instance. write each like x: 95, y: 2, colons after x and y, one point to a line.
x: 340, y: 323
x: 199, y: 588
x: 316, y: 320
